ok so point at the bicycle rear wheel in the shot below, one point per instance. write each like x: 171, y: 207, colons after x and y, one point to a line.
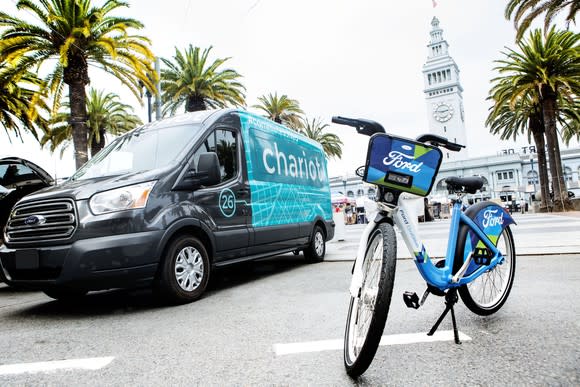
x: 367, y: 313
x: 486, y: 294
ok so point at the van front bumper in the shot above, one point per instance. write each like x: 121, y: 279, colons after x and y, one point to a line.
x: 91, y: 264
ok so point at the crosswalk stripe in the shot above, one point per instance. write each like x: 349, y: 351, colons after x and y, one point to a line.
x: 331, y: 345
x: 94, y: 363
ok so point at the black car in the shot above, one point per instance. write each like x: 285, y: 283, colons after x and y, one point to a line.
x: 18, y: 178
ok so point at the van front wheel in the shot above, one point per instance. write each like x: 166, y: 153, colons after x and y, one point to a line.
x: 315, y: 251
x: 185, y: 271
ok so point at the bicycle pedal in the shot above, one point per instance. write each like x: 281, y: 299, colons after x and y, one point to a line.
x: 411, y: 300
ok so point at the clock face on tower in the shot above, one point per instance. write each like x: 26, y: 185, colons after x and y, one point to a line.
x: 442, y: 112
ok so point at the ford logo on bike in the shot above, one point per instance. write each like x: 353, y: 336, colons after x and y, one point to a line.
x: 35, y: 220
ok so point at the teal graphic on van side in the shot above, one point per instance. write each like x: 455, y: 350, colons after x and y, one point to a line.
x: 287, y: 174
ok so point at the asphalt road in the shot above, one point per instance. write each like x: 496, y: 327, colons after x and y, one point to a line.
x: 280, y: 321
x: 233, y: 335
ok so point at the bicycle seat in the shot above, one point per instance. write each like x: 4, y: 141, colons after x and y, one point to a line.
x: 464, y: 184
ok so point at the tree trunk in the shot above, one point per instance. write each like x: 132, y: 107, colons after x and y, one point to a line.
x: 96, y: 146
x: 560, y: 200
x: 195, y: 104
x: 542, y: 169
x: 563, y: 199
x: 76, y: 76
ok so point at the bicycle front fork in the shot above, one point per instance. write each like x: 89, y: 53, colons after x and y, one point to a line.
x: 357, y: 273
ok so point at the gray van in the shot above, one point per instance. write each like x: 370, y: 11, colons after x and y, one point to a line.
x: 168, y: 201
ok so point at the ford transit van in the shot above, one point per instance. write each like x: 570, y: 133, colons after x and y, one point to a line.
x: 165, y: 203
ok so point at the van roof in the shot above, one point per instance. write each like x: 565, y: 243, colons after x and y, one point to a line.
x: 207, y: 117
x: 197, y: 117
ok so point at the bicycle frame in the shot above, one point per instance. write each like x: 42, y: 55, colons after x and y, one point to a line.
x: 441, y: 278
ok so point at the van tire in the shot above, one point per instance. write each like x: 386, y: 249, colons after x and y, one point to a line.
x: 185, y: 271
x: 315, y: 252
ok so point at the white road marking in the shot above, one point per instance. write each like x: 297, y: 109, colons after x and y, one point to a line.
x: 331, y: 345
x: 94, y: 363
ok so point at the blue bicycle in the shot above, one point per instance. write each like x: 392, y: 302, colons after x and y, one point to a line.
x: 480, y: 262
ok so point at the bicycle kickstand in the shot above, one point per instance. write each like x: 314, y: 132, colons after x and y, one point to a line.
x: 451, y: 299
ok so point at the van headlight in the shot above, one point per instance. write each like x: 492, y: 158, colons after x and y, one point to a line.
x: 119, y: 199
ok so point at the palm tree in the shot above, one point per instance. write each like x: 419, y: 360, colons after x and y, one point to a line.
x: 198, y: 84
x: 21, y: 102
x: 547, y: 70
x: 282, y: 110
x: 70, y: 36
x: 105, y: 115
x: 525, y: 11
x: 331, y: 143
x: 569, y: 120
x: 525, y: 118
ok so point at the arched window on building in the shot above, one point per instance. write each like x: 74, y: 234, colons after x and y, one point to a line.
x: 485, y: 189
x: 567, y: 174
x: 371, y: 193
x: 441, y: 187
x: 350, y: 194
x: 533, y: 177
x: 360, y: 192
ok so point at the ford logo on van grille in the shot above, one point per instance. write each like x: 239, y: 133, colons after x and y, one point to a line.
x: 35, y: 220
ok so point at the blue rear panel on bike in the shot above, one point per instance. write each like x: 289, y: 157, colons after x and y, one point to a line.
x: 492, y: 220
x: 402, y: 164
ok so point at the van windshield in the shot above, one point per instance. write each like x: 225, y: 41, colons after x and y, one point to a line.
x: 141, y: 150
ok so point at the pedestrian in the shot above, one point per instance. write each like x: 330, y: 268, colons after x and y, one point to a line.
x: 348, y: 214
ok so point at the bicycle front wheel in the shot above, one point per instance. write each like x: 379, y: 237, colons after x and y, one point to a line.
x: 367, y: 313
x: 486, y: 294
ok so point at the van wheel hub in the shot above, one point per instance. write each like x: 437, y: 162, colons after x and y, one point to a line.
x: 319, y: 243
x: 189, y: 268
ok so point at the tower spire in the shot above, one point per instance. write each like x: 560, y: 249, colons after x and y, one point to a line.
x: 443, y: 92
x: 436, y: 31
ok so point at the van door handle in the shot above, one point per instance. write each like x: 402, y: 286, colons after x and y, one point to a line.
x: 243, y: 192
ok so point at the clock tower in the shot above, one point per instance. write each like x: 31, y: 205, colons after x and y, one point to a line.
x: 443, y: 93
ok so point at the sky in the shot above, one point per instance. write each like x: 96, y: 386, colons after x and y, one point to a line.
x: 360, y: 59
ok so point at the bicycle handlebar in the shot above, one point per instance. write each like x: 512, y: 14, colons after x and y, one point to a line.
x: 368, y: 128
x: 440, y: 141
x: 342, y: 120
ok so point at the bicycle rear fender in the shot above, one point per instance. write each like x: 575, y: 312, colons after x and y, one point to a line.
x: 491, y: 218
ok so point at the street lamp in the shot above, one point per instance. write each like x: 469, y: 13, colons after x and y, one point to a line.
x: 533, y: 173
x: 148, y: 95
x: 157, y: 102
x: 344, y: 178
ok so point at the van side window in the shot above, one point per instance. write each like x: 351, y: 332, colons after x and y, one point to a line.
x: 227, y: 150
x: 224, y: 143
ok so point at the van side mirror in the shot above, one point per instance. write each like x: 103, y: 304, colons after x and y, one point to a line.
x: 207, y: 173
x: 208, y: 167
